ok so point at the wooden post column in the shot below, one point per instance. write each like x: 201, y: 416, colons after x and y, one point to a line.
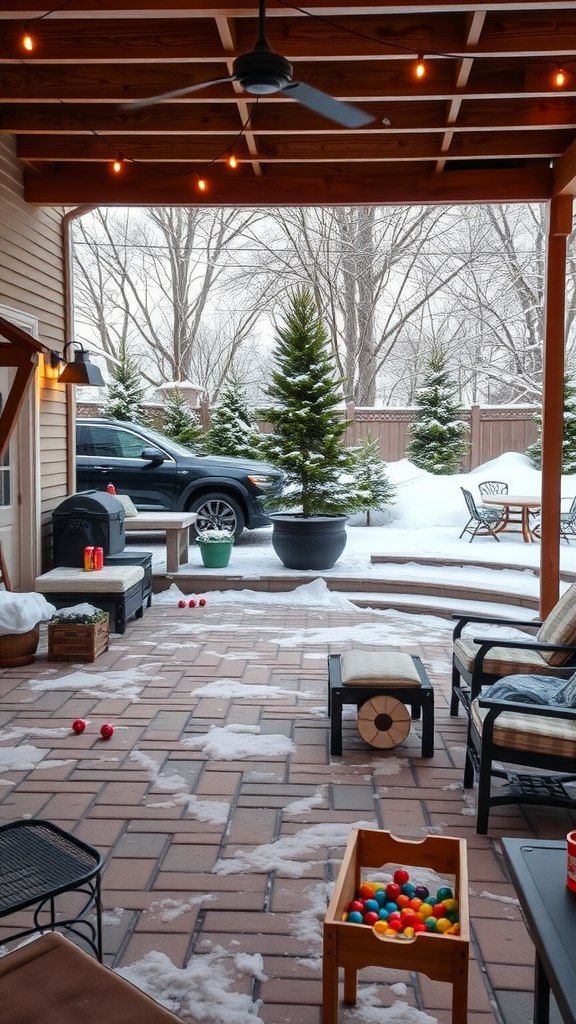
x: 559, y: 227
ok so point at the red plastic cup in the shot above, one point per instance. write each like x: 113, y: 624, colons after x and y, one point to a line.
x: 571, y: 860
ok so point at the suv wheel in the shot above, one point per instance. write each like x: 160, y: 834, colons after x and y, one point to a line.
x: 218, y: 512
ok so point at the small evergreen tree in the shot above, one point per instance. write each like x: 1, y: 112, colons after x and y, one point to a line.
x: 180, y: 422
x: 534, y: 451
x: 233, y: 430
x: 307, y: 439
x: 375, y: 490
x: 125, y: 393
x: 437, y: 435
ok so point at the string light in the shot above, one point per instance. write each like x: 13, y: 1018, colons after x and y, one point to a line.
x: 420, y: 69
x: 117, y: 165
x: 232, y: 162
x: 27, y: 40
x: 201, y: 183
x: 559, y: 77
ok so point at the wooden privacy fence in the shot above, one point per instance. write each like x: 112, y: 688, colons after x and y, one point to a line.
x: 494, y: 429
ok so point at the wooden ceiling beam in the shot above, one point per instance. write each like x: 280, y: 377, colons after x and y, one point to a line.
x: 532, y: 35
x: 105, y: 9
x: 76, y: 184
x: 390, y: 147
x: 415, y: 117
x: 369, y: 81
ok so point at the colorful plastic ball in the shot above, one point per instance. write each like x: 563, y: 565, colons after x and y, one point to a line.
x: 401, y: 876
x: 106, y: 730
x: 408, y: 889
x: 425, y: 911
x: 408, y: 919
x: 383, y: 915
x: 454, y: 930
x: 403, y: 900
x: 391, y: 907
x: 371, y: 917
x: 366, y: 891
x: 450, y: 904
x: 79, y: 725
x: 355, y: 917
x: 415, y: 904
x: 356, y: 905
x: 181, y: 604
x: 444, y: 893
x: 439, y: 910
x: 371, y: 906
x: 202, y: 602
x: 430, y: 923
x: 419, y: 926
x: 393, y: 891
x: 395, y: 924
x: 432, y: 901
x: 409, y: 932
x: 443, y: 925
x: 421, y: 892
x: 380, y: 927
x: 192, y: 603
x: 381, y: 897
x: 452, y: 916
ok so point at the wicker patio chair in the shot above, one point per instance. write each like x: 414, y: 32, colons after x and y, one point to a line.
x: 503, y: 734
x: 480, y: 661
x: 482, y: 521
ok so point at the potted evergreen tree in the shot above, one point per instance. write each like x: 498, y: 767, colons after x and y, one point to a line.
x: 307, y: 443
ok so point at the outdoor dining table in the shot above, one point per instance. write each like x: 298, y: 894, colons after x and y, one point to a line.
x: 524, y: 503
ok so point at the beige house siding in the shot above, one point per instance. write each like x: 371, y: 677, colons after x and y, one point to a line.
x: 32, y: 282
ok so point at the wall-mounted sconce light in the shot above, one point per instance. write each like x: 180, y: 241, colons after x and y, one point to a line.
x: 81, y: 370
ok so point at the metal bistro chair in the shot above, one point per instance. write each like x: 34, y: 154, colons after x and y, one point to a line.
x: 482, y: 521
x: 568, y: 522
x: 490, y: 487
x: 39, y: 863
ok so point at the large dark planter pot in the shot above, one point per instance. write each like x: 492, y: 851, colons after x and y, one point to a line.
x: 315, y: 542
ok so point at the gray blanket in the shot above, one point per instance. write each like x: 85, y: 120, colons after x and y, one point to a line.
x: 530, y: 689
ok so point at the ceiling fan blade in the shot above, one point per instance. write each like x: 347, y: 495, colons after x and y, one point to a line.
x: 335, y: 110
x: 151, y: 101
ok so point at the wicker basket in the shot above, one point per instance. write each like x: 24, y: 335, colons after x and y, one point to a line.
x: 18, y: 648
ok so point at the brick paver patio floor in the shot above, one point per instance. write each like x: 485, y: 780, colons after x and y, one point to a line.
x: 173, y: 816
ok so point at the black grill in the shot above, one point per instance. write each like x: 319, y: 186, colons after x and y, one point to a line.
x: 89, y: 518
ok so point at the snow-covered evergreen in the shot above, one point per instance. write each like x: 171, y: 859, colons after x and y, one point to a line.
x: 534, y: 451
x: 307, y: 440
x: 233, y: 429
x: 437, y: 435
x: 181, y: 422
x: 375, y: 490
x: 125, y: 392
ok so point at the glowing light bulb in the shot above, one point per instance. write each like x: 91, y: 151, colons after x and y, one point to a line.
x: 27, y: 42
x: 117, y: 165
x: 202, y: 185
x: 232, y: 161
x: 420, y: 69
x: 560, y: 78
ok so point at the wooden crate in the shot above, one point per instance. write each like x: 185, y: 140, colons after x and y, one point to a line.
x: 77, y: 641
x: 353, y: 946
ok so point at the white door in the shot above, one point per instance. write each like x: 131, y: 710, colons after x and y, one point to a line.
x: 9, y: 490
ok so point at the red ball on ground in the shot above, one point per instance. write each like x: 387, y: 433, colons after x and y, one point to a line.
x: 79, y: 725
x: 181, y: 604
x: 202, y: 602
x: 192, y: 603
x: 106, y: 730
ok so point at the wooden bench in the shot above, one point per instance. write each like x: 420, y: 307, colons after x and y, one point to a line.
x: 176, y: 526
x: 117, y: 590
x: 361, y: 677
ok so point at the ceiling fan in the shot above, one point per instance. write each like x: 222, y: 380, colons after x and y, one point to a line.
x: 262, y: 72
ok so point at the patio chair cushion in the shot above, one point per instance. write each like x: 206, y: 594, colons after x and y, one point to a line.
x: 370, y: 668
x: 531, y: 733
x: 111, y: 579
x: 500, y: 661
x: 560, y: 627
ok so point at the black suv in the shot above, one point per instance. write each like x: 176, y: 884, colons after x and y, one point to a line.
x: 161, y: 475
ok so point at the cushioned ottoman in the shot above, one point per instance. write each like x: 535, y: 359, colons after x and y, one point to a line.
x: 117, y: 590
x: 51, y: 981
x: 380, y: 684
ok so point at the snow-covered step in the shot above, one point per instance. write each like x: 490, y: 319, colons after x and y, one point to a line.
x: 445, y: 607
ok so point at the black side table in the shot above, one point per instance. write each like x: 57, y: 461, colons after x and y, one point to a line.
x: 38, y: 862
x: 538, y: 872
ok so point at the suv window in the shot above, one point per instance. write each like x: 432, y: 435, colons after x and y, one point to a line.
x: 109, y: 443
